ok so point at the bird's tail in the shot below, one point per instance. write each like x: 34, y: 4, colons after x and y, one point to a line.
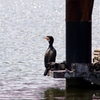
x: 46, y: 71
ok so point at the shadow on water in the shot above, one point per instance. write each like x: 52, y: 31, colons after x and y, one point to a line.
x: 54, y: 94
x: 72, y: 94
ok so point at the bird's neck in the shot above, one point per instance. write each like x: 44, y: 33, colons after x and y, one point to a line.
x: 50, y: 45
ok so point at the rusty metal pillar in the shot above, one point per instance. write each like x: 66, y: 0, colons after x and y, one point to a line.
x: 78, y: 31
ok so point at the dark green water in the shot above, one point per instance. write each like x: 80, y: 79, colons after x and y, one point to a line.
x: 72, y: 94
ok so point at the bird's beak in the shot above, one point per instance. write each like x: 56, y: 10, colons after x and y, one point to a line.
x: 47, y: 38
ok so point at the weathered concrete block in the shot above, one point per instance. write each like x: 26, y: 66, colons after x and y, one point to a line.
x: 57, y: 73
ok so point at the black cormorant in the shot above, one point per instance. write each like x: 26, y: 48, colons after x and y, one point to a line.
x: 50, y: 55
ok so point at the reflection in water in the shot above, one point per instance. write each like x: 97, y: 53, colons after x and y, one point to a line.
x: 78, y: 94
x: 71, y: 94
x: 55, y: 94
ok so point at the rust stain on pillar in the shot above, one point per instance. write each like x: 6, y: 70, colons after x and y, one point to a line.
x: 79, y: 10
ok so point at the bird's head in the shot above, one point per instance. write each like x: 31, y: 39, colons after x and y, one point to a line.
x: 50, y: 39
